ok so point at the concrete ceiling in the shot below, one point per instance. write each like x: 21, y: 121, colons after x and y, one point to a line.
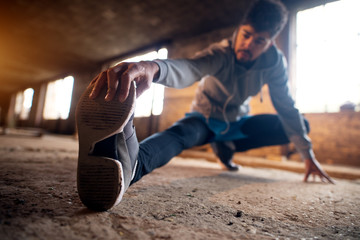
x: 42, y: 40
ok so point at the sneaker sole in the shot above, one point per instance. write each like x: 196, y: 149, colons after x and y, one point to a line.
x: 99, y: 179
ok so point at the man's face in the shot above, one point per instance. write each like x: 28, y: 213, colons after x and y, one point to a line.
x: 249, y: 44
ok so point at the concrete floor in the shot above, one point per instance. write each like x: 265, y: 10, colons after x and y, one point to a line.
x: 187, y: 199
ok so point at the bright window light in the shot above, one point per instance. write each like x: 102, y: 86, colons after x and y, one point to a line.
x: 23, y: 103
x: 152, y: 100
x: 19, y: 99
x: 328, y: 57
x: 58, y: 99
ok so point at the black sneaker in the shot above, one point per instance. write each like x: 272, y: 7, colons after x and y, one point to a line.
x: 105, y: 168
x: 225, y: 151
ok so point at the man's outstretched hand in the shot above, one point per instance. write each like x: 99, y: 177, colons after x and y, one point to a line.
x: 117, y: 79
x: 312, y: 166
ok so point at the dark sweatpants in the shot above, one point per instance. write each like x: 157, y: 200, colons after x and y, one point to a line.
x: 158, y: 149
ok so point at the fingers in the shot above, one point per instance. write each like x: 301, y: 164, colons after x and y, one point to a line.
x: 135, y: 72
x: 318, y: 172
x: 118, y: 79
x: 307, y: 174
x: 98, y: 82
x: 324, y: 178
x: 112, y: 83
x: 324, y: 175
x: 126, y: 79
x: 108, y: 78
x: 307, y: 169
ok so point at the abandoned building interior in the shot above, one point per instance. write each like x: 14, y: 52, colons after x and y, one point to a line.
x: 51, y: 50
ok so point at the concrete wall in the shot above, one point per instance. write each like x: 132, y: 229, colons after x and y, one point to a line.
x: 336, y: 137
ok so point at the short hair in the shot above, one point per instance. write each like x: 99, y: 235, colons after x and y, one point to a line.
x: 266, y: 16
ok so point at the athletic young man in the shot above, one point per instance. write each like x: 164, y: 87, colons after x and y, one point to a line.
x: 230, y: 72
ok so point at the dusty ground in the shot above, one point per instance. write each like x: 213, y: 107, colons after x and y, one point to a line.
x: 186, y: 199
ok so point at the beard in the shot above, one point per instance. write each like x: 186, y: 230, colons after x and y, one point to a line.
x: 244, y: 56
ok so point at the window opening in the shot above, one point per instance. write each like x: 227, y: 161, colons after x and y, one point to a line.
x: 327, y: 57
x: 58, y: 99
x: 23, y: 103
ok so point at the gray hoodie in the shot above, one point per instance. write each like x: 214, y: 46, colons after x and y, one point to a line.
x: 226, y: 87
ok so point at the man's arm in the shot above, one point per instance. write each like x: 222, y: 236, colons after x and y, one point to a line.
x: 123, y: 74
x: 180, y: 73
x: 293, y: 123
x: 176, y: 73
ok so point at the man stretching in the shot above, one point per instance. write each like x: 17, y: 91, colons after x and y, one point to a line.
x: 229, y: 73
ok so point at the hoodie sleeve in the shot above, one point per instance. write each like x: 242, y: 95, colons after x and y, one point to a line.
x: 284, y: 104
x: 181, y: 73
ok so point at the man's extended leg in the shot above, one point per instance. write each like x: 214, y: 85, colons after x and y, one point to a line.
x: 105, y: 166
x: 110, y: 157
x: 160, y: 148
